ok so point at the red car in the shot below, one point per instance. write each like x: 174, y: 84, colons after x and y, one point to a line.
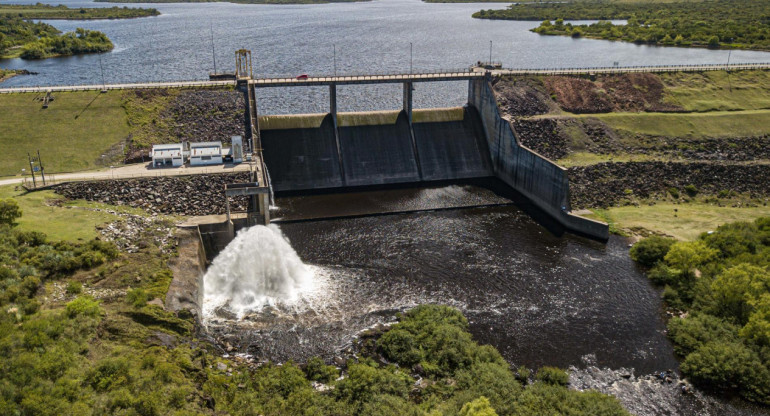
x: 303, y: 76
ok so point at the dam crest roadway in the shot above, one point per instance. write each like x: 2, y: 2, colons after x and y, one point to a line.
x: 473, y: 73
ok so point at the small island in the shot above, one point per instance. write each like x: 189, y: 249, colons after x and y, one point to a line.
x: 728, y: 24
x: 20, y: 37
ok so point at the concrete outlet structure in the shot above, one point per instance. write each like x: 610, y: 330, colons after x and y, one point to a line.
x: 337, y: 150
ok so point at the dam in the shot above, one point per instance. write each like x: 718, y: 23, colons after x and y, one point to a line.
x: 343, y: 151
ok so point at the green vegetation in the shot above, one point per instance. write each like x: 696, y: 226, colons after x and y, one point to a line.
x: 722, y: 282
x: 21, y: 37
x: 718, y: 23
x: 682, y: 221
x: 72, y: 133
x: 69, y: 353
x: 9, y: 73
x: 711, y: 124
x: 717, y: 90
x: 49, y: 12
x: 72, y: 43
x: 64, y: 220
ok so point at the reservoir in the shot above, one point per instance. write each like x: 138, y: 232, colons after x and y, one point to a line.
x: 366, y: 37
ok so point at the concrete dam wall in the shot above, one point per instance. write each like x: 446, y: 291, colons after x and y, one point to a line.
x: 322, y: 151
x: 304, y: 152
x: 540, y: 180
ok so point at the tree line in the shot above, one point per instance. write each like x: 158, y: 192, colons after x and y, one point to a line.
x: 741, y: 24
x: 719, y: 288
x: 19, y: 36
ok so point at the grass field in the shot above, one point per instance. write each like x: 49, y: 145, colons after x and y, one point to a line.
x: 50, y: 213
x: 711, y: 124
x: 72, y: 134
x: 686, y: 223
x: 718, y: 90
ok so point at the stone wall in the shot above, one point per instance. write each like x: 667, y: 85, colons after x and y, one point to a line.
x: 182, y: 195
x: 608, y: 184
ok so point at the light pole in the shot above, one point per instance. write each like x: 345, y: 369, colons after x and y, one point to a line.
x: 335, y: 60
x: 490, y: 52
x: 410, y: 57
x: 104, y: 84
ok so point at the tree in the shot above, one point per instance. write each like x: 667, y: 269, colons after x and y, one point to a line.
x: 651, y: 250
x: 478, y: 407
x: 9, y: 211
x: 714, y: 41
x: 686, y: 256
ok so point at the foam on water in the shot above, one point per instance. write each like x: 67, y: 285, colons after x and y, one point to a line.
x: 258, y: 268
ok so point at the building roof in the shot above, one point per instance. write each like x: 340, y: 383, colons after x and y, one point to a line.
x: 175, y: 146
x: 205, y: 144
x: 164, y: 153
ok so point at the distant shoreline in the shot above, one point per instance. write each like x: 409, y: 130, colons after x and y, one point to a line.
x: 235, y: 1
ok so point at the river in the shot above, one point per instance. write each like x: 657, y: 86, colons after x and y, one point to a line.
x: 301, y: 39
x: 540, y: 297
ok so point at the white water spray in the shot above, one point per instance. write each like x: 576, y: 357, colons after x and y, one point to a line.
x: 258, y: 268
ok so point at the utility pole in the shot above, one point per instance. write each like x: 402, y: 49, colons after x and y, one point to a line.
x: 213, y: 51
x: 410, y: 57
x: 32, y: 170
x: 42, y: 169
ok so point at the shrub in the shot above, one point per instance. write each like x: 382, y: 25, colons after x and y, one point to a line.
x: 9, y: 211
x: 365, y: 381
x: 137, y: 297
x: 317, y: 370
x: 651, y: 250
x: 478, y: 407
x: 689, y: 334
x: 691, y: 190
x: 109, y: 374
x: 83, y: 305
x: 552, y: 375
x: 674, y: 192
x: 74, y: 288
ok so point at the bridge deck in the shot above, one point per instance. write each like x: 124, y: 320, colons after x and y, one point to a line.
x: 390, y: 78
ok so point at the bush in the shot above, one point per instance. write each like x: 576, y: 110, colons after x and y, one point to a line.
x: 317, y: 370
x: 674, y: 192
x: 552, y: 375
x: 478, y: 407
x: 9, y: 211
x: 83, y: 305
x: 691, y: 190
x: 651, y: 250
x: 137, y: 297
x: 691, y: 333
x: 74, y: 288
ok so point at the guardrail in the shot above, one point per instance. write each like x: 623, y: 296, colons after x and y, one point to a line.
x: 629, y: 69
x: 58, y: 179
x: 391, y: 76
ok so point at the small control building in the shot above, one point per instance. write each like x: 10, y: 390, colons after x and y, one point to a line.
x: 205, y: 153
x: 167, y: 155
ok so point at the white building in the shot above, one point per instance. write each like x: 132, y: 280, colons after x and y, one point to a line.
x: 205, y: 153
x: 164, y: 155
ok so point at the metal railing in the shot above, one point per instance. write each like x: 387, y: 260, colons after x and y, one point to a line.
x: 114, y: 174
x: 400, y: 75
